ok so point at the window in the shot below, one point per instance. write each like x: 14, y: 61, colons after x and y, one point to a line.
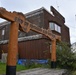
x: 51, y: 25
x: 59, y: 29
x: 55, y: 27
x: 3, y: 32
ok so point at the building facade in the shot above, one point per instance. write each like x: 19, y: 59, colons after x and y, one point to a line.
x: 36, y: 48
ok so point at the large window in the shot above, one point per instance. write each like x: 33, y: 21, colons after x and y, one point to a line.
x: 55, y: 27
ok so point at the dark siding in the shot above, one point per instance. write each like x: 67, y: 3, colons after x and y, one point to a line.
x: 37, y: 20
x: 6, y: 33
x: 65, y: 34
x: 34, y: 49
x: 42, y: 20
x: 64, y: 29
x: 0, y: 52
x: 1, y: 36
x: 4, y: 48
x: 50, y: 18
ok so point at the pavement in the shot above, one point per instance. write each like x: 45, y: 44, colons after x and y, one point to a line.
x: 42, y: 71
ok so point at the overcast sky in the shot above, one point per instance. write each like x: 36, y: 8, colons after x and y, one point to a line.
x: 66, y: 7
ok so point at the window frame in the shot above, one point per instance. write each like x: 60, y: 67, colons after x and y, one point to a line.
x: 55, y: 27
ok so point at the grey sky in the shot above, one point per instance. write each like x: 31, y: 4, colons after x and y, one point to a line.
x: 66, y: 7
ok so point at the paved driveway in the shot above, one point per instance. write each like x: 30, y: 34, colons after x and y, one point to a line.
x: 42, y: 71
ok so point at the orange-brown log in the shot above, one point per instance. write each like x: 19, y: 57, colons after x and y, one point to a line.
x: 13, y: 45
x: 53, y: 52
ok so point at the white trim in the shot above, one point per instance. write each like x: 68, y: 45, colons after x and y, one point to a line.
x: 4, y: 23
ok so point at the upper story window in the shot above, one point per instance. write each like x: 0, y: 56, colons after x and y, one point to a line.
x: 3, y: 32
x: 55, y: 27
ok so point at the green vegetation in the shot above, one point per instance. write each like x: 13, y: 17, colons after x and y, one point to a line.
x: 21, y: 67
x: 73, y: 73
x: 66, y: 58
x: 3, y: 68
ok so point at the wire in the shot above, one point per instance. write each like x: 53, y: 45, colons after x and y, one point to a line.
x: 57, y: 5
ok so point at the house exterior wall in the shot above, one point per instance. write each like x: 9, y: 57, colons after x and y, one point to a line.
x: 34, y: 49
x: 64, y: 29
x: 3, y: 49
x: 43, y: 19
x: 37, y: 18
x: 6, y: 29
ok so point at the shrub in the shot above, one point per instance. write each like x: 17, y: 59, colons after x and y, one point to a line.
x: 65, y: 57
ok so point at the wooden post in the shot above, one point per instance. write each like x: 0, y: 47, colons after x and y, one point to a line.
x: 53, y: 54
x: 12, y: 49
